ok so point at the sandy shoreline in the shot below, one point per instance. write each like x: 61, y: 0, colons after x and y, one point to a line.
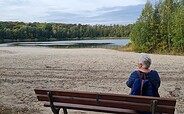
x: 98, y: 70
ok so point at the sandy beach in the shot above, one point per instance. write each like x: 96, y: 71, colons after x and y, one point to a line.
x: 22, y: 69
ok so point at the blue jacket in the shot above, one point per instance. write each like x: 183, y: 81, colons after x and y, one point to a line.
x: 152, y: 76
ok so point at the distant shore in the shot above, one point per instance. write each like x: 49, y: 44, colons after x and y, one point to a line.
x: 54, y: 39
x: 99, y: 70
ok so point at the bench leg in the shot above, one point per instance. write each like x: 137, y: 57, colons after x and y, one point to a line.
x: 54, y: 110
x: 65, y: 111
x: 153, y: 106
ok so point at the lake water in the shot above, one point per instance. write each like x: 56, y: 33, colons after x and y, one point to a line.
x: 107, y: 43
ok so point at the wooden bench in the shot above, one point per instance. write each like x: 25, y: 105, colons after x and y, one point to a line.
x: 103, y: 102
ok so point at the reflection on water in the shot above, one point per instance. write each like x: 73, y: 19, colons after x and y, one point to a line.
x: 84, y: 45
x: 74, y: 43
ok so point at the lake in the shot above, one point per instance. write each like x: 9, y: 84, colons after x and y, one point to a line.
x: 106, y: 43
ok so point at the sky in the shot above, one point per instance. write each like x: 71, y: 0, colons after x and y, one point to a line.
x: 72, y: 11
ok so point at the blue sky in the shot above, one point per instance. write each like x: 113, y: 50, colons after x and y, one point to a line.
x: 72, y: 11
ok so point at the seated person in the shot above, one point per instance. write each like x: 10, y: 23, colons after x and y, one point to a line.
x: 143, y: 68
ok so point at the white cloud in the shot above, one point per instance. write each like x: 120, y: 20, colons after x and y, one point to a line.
x: 39, y: 10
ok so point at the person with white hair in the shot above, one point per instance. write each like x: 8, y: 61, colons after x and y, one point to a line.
x: 144, y: 63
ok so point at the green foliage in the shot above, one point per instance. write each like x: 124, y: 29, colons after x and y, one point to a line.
x: 160, y: 28
x: 19, y: 31
x: 178, y: 28
x: 141, y: 32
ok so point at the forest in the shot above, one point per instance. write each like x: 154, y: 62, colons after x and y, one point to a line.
x: 20, y: 31
x: 160, y: 28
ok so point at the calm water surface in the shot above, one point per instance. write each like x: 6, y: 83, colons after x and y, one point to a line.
x: 74, y: 43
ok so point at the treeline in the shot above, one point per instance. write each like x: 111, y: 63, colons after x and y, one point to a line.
x: 19, y: 31
x: 160, y: 28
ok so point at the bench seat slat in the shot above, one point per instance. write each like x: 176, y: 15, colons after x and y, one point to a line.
x: 142, y: 99
x: 91, y: 108
x: 94, y: 108
x: 104, y: 103
x: 66, y: 93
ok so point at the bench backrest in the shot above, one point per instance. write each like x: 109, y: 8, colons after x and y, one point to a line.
x: 142, y: 103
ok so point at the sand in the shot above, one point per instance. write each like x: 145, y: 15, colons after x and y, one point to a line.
x: 96, y: 70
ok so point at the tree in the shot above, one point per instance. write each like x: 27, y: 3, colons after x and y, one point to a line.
x: 178, y: 27
x: 161, y: 28
x: 142, y: 30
